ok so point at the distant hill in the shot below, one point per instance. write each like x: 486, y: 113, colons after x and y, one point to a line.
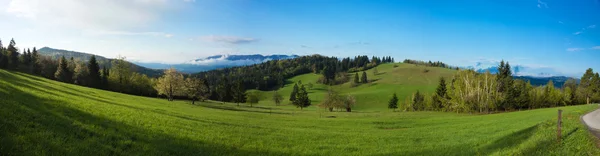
x: 558, y: 81
x: 217, y: 62
x: 103, y: 61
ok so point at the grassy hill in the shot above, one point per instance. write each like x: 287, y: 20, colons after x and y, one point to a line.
x: 403, y: 79
x: 102, y: 61
x: 44, y: 117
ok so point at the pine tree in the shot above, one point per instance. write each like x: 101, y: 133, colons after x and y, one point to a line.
x: 294, y: 93
x: 441, y: 94
x: 418, y: 100
x: 36, y: 67
x: 62, y: 72
x: 239, y: 93
x: 94, y: 72
x: 393, y: 103
x: 302, y: 99
x: 13, y: 55
x: 356, y: 79
x: 364, y: 77
x: 3, y: 58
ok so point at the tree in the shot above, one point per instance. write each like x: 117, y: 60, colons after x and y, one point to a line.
x: 585, y: 85
x: 375, y: 71
x: 309, y: 86
x: 393, y: 103
x: 94, y: 72
x: 302, y: 99
x: 195, y: 89
x: 253, y: 98
x: 223, y: 89
x: 441, y: 94
x: 277, y: 98
x: 364, y: 77
x: 36, y: 67
x: 3, y: 57
x: 62, y: 72
x: 349, y: 102
x: 332, y: 100
x: 418, y: 100
x: 239, y: 93
x: 13, y: 55
x: 80, y: 74
x: 356, y: 79
x: 294, y: 93
x: 170, y: 84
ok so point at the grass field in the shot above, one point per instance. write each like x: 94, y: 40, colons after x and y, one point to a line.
x: 404, y: 80
x: 44, y: 117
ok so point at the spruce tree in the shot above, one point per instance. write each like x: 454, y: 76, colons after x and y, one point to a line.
x: 94, y: 72
x: 440, y: 94
x: 36, y: 67
x: 13, y: 55
x: 356, y: 79
x: 294, y: 93
x: 239, y: 93
x: 393, y: 103
x: 302, y: 99
x: 364, y: 77
x: 62, y: 72
x: 3, y: 58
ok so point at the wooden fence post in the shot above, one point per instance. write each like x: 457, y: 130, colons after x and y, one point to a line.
x: 559, y: 125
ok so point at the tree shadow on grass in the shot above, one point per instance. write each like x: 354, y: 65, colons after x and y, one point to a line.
x: 31, y: 125
x: 510, y: 141
x: 230, y: 108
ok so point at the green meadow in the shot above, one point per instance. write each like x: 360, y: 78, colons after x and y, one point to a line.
x: 45, y: 117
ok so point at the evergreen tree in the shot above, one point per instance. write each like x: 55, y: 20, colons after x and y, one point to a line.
x: 393, y: 103
x: 13, y: 55
x: 94, y: 72
x: 356, y: 79
x: 62, y: 72
x: 302, y: 99
x: 294, y: 93
x: 418, y: 100
x: 36, y: 66
x: 3, y: 58
x: 441, y: 94
x: 364, y: 77
x: 239, y: 93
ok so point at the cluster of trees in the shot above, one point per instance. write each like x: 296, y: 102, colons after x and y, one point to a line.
x: 334, y: 100
x: 472, y: 92
x: 119, y: 77
x: 362, y: 79
x: 430, y: 64
x: 272, y: 75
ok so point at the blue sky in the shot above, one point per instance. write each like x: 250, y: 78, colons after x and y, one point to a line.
x: 551, y: 35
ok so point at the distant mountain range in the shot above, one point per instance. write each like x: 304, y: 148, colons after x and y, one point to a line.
x: 216, y: 62
x: 102, y: 61
x: 538, y: 76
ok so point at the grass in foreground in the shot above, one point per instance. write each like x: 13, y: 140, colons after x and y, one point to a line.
x: 43, y: 117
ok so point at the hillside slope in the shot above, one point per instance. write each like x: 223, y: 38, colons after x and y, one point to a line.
x: 404, y: 80
x: 102, y: 61
x: 44, y: 117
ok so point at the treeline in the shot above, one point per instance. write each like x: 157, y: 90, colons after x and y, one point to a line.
x: 272, y: 75
x: 430, y: 64
x: 119, y: 77
x: 472, y: 92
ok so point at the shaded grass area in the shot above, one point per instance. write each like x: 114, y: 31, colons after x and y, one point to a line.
x: 43, y: 117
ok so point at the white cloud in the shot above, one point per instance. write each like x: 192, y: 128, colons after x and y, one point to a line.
x: 596, y: 48
x: 575, y: 49
x: 540, y: 4
x: 90, y: 14
x: 229, y: 39
x: 577, y: 33
x: 128, y: 33
x: 592, y: 26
